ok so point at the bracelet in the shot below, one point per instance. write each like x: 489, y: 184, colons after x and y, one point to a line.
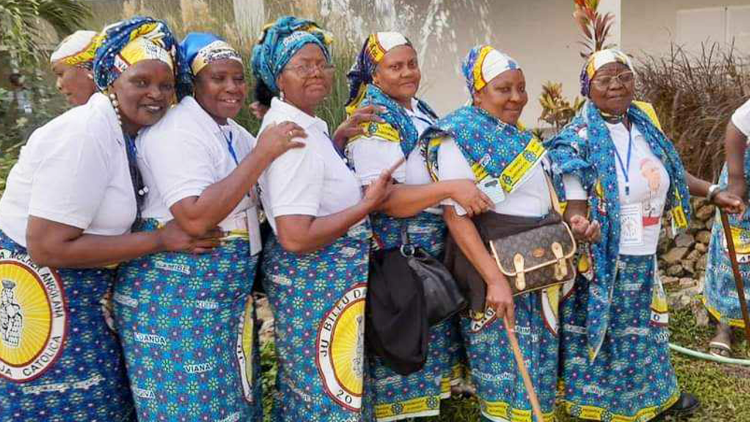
x: 713, y: 190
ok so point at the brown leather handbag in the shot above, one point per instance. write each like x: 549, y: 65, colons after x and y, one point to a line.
x: 540, y: 257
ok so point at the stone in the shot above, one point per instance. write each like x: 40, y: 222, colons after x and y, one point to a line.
x: 684, y: 240
x: 695, y: 225
x: 669, y: 280
x: 703, y: 236
x: 675, y: 270
x: 705, y: 212
x: 694, y: 255
x: 710, y: 223
x: 675, y: 255
x: 701, y: 264
x: 699, y: 202
x: 689, y: 266
x: 701, y: 248
x: 688, y: 282
x: 699, y: 311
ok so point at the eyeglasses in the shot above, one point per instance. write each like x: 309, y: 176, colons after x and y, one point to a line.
x: 605, y: 82
x: 307, y: 70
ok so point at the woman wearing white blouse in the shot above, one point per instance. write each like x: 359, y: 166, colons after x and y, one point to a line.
x: 387, y: 75
x: 201, y: 171
x: 71, y: 200
x: 316, y: 265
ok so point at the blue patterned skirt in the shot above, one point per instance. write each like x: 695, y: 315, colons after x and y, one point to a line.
x: 59, y: 361
x: 186, y: 323
x: 500, y: 389
x: 416, y: 395
x: 720, y: 292
x: 318, y: 302
x: 632, y: 378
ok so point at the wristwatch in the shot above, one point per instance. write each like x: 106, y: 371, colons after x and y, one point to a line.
x: 713, y: 190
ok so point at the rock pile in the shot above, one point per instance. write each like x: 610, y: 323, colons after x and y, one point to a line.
x: 683, y: 259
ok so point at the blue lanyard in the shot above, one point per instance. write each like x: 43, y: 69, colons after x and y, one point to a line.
x: 229, y: 145
x: 626, y: 167
x: 422, y: 119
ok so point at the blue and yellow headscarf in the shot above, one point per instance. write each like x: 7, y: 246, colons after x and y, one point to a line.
x: 482, y: 64
x: 201, y: 49
x: 280, y: 41
x: 596, y: 61
x: 372, y: 53
x: 127, y: 42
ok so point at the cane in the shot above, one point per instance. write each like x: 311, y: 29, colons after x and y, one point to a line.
x: 524, y: 372
x: 737, y: 275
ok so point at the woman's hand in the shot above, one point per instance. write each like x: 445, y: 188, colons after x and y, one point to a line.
x: 377, y: 191
x: 500, y: 299
x: 585, y: 230
x: 466, y: 193
x: 729, y: 202
x: 173, y: 239
x: 276, y: 139
x: 352, y: 126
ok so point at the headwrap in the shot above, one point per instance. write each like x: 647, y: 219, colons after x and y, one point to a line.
x: 372, y: 53
x: 596, y: 61
x: 140, y: 38
x: 280, y: 41
x: 482, y: 64
x: 584, y: 148
x: 201, y: 49
x: 77, y: 49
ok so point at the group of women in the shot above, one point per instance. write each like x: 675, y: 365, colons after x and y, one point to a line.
x: 158, y: 203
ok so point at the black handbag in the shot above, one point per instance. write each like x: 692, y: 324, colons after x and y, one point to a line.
x: 408, y: 291
x: 443, y: 298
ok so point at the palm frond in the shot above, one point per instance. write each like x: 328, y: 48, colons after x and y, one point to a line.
x: 64, y: 15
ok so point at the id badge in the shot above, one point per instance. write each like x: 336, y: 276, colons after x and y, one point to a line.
x: 253, y: 230
x: 631, y: 225
x: 491, y: 187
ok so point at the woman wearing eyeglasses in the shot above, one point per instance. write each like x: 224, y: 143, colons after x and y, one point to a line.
x: 316, y: 265
x: 622, y: 171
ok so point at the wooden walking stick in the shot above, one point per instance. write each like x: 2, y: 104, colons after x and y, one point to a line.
x: 738, y: 282
x: 524, y: 372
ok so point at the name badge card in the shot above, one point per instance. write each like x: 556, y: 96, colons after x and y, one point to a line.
x: 491, y: 187
x: 253, y: 230
x: 631, y: 225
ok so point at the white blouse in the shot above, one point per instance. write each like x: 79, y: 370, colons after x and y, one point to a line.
x: 370, y: 155
x: 74, y: 171
x: 649, y: 184
x: 185, y: 153
x: 313, y: 180
x: 741, y: 118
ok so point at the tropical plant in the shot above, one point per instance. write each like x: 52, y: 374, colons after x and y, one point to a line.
x: 23, y: 30
x: 595, y: 26
x: 557, y: 111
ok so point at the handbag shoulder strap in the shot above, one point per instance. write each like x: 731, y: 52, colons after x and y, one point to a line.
x: 553, y: 194
x: 404, y: 231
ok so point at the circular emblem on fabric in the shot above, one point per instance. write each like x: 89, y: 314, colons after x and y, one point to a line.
x: 32, y: 317
x: 340, y: 347
x: 480, y: 321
